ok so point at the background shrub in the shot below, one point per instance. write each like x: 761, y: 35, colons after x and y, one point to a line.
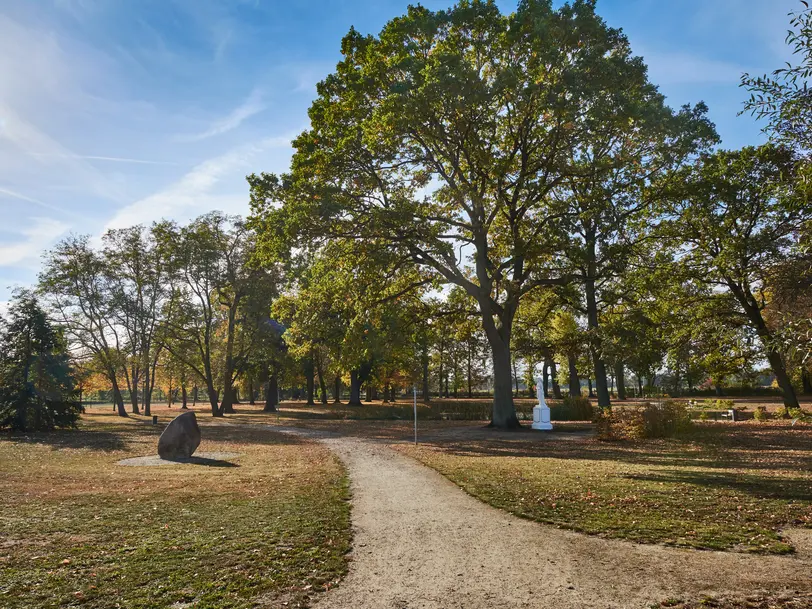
x: 661, y: 420
x: 761, y: 414
x: 572, y: 409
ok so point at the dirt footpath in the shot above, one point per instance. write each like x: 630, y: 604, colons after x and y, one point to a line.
x: 421, y: 542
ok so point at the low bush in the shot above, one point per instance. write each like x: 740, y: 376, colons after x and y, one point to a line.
x: 800, y: 415
x: 761, y: 414
x: 661, y: 420
x: 572, y: 408
x: 711, y: 404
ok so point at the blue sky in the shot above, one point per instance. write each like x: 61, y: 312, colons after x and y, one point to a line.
x: 116, y: 112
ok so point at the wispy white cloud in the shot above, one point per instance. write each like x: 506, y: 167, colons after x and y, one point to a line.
x: 110, y: 159
x: 683, y: 68
x: 254, y: 104
x: 36, y: 235
x: 196, y: 192
x: 6, y: 193
x: 21, y: 138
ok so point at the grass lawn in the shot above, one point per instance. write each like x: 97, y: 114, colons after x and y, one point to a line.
x: 78, y: 530
x: 729, y: 487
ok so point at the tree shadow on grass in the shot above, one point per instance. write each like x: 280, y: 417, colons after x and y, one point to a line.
x: 106, y: 441
x: 204, y: 461
x: 717, y: 447
x: 794, y: 489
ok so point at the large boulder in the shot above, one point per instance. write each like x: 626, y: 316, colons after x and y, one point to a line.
x: 180, y: 438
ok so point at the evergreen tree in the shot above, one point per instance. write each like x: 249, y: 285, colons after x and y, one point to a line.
x: 37, y: 388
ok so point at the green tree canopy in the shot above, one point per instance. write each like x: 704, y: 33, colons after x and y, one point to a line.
x: 448, y: 134
x: 37, y: 389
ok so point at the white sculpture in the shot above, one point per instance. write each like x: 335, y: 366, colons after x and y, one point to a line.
x: 541, y: 413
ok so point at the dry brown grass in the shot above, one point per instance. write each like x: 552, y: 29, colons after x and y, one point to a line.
x: 77, y: 529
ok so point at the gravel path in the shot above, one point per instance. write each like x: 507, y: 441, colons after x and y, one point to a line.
x: 421, y: 542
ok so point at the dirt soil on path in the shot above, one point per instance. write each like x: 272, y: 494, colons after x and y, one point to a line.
x: 420, y: 542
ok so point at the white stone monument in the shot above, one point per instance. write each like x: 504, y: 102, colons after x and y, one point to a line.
x: 541, y: 413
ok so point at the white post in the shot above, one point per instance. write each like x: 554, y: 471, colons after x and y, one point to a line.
x: 541, y: 413
x: 415, y: 415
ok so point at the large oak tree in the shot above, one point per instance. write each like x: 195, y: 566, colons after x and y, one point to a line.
x: 444, y: 139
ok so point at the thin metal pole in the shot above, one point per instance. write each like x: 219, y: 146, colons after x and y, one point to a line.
x: 415, y: 414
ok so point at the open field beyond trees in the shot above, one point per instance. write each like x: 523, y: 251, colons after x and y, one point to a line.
x: 267, y: 527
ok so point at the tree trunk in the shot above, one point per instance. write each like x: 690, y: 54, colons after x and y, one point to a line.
x: 515, y: 376
x: 621, y: 381
x: 806, y: 381
x: 271, y: 393
x: 355, y: 389
x: 504, y: 411
x: 227, y: 406
x: 575, y: 382
x: 118, y: 399
x: 184, y: 397
x: 214, y: 400
x: 554, y: 377
x: 424, y: 361
x: 134, y: 401
x: 194, y: 395
x: 470, y: 372
x: 446, y: 384
x: 322, y: 384
x: 440, y: 372
x: 717, y: 388
x: 309, y: 371
x: 337, y: 391
x: 589, y: 384
x: 251, y: 399
x: 750, y: 305
x: 546, y: 379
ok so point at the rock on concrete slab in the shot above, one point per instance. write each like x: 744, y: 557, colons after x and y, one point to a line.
x: 180, y: 438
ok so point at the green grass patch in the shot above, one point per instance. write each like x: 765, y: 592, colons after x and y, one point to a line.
x: 78, y: 530
x: 731, y: 487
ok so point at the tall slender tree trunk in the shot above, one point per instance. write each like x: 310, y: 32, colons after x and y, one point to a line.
x: 146, y: 392
x: 589, y: 384
x: 515, y: 376
x: 355, y: 389
x: 441, y: 371
x: 310, y: 373
x: 322, y: 384
x: 470, y: 370
x: 118, y: 399
x: 424, y: 362
x: 554, y: 377
x: 214, y: 399
x: 598, y: 364
x: 546, y: 379
x: 251, y: 398
x: 271, y: 392
x: 194, y: 395
x: 806, y: 381
x: 750, y: 306
x: 575, y: 382
x: 621, y: 381
x: 184, y: 397
x: 337, y: 390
